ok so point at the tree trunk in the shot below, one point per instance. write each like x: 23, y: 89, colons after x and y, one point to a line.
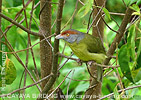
x: 45, y: 49
x: 100, y: 25
x: 94, y: 91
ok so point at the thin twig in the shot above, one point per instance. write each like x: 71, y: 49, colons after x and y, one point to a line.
x: 30, y: 46
x: 32, y: 53
x: 27, y: 53
x: 81, y: 2
x: 103, y: 18
x: 58, y: 86
x: 35, y: 73
x: 71, y: 16
x: 62, y: 55
x: 108, y: 72
x: 4, y: 95
x: 20, y: 61
x: 75, y: 79
x: 124, y: 3
x: 69, y: 84
x: 16, y: 17
x: 20, y: 26
x: 65, y: 62
x: 120, y: 91
x: 95, y: 18
x: 21, y: 82
x: 36, y: 5
x: 105, y: 66
x: 76, y: 5
x: 118, y: 37
x: 90, y: 72
x: 89, y: 20
x: 119, y: 14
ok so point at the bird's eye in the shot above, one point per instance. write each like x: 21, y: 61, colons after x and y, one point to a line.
x: 67, y: 34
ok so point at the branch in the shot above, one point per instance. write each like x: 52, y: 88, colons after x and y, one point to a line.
x: 101, y: 65
x: 20, y: 26
x: 59, y: 85
x: 56, y: 49
x: 30, y: 46
x: 118, y: 37
x: 25, y: 87
x: 71, y: 18
x: 62, y: 55
x: 20, y: 61
x: 120, y: 91
x: 65, y: 62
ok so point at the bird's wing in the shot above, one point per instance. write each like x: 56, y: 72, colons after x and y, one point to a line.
x: 94, y: 44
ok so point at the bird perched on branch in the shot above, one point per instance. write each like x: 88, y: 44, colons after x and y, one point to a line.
x: 86, y: 47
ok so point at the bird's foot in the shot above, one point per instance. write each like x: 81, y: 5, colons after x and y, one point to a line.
x: 89, y: 63
x: 79, y: 62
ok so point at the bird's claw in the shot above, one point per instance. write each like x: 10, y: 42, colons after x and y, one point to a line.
x: 79, y: 62
x: 90, y: 63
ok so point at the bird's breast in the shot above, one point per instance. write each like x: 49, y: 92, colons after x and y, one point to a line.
x: 80, y: 50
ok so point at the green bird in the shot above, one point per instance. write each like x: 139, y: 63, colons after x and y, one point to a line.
x: 86, y: 47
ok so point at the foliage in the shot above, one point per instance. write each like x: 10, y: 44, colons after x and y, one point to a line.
x: 8, y: 72
x: 129, y: 49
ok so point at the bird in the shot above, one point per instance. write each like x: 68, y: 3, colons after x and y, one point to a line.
x: 85, y: 46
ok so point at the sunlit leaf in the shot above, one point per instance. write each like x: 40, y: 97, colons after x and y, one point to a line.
x: 123, y: 59
x: 107, y: 13
x: 136, y: 13
x: 135, y: 7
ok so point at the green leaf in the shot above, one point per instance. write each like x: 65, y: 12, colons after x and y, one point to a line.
x: 21, y: 40
x: 9, y: 72
x: 86, y: 8
x: 12, y: 33
x: 131, y: 42
x: 17, y: 2
x: 81, y: 9
x: 81, y: 87
x: 139, y: 49
x: 136, y: 74
x: 106, y: 13
x: 133, y: 1
x: 136, y: 13
x: 124, y: 62
x: 135, y: 7
x: 8, y: 3
x: 138, y: 2
x: 138, y: 62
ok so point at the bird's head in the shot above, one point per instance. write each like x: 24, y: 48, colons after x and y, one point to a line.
x: 71, y: 36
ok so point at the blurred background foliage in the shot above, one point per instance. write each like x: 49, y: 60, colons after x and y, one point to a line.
x: 18, y: 39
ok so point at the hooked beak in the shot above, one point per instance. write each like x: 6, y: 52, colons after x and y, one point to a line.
x: 59, y: 36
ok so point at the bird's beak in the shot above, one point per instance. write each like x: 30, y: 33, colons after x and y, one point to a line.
x: 59, y: 36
